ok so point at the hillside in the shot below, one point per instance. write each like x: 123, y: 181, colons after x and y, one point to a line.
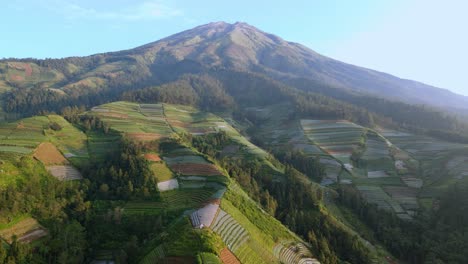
x: 238, y: 47
x: 226, y: 144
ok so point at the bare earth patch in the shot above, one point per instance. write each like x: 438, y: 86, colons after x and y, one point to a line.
x: 152, y: 157
x: 227, y: 257
x: 48, y: 154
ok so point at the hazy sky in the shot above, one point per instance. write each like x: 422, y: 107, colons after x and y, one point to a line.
x: 421, y: 40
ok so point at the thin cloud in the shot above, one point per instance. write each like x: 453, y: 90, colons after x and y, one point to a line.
x: 147, y: 10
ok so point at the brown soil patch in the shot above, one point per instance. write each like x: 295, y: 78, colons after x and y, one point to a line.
x: 196, y: 169
x: 144, y: 136
x: 16, y: 78
x: 48, y: 154
x: 27, y: 70
x: 227, y: 257
x: 152, y: 157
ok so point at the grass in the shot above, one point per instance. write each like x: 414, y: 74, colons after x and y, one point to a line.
x: 161, y: 171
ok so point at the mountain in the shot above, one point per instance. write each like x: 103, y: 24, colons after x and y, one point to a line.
x: 218, y: 45
x: 243, y: 47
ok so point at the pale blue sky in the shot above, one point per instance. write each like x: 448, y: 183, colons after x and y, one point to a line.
x: 421, y: 40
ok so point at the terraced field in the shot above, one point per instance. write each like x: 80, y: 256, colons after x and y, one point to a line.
x: 139, y: 122
x: 377, y: 156
x: 232, y: 233
x: 188, y: 119
x: 294, y: 253
x: 155, y: 256
x: 171, y: 200
x: 100, y: 145
x: 336, y: 137
x: 376, y: 195
x: 436, y: 160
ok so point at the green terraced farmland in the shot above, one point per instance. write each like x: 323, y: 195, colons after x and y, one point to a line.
x: 336, y: 137
x: 171, y: 200
x: 100, y: 145
x: 140, y: 122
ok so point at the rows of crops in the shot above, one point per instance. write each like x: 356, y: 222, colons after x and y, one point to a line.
x: 139, y: 122
x: 232, y: 233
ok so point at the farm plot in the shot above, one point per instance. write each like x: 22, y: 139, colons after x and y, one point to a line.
x: 161, y: 171
x: 64, y: 172
x: 168, y: 185
x: 227, y: 257
x: 27, y: 230
x: 232, y: 233
x: 377, y: 156
x: 204, y: 216
x: 26, y: 134
x: 101, y: 145
x: 185, y: 159
x: 48, y: 154
x: 336, y: 137
x: 195, y: 169
x: 375, y: 195
x: 70, y: 140
x: 433, y: 156
x: 406, y: 197
x: 294, y: 253
x: 188, y: 119
x: 177, y: 199
x: 137, y: 122
x: 152, y: 157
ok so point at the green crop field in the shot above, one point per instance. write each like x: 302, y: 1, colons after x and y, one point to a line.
x: 131, y: 118
x: 161, y: 171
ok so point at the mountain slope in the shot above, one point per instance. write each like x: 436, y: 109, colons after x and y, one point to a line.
x: 244, y: 47
x: 238, y: 46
